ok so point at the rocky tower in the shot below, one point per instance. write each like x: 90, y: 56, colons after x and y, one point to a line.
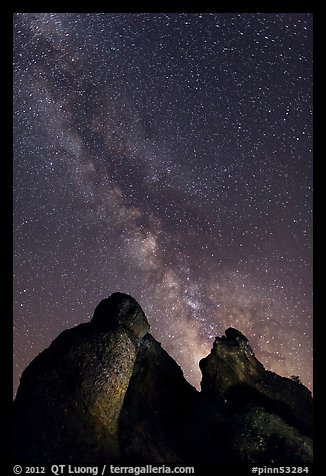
x: 106, y: 391
x: 70, y: 397
x: 271, y: 415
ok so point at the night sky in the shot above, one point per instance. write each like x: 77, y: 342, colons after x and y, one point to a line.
x: 167, y: 156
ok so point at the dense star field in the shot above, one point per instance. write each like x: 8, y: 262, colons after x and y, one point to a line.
x: 168, y: 156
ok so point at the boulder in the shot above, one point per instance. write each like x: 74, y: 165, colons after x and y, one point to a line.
x: 70, y: 397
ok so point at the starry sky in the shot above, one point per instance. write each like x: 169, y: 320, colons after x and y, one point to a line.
x: 168, y: 156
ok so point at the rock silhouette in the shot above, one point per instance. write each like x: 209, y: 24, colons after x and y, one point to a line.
x: 107, y: 392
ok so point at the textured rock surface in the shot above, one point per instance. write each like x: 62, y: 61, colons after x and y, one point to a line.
x: 262, y: 437
x: 154, y: 406
x: 106, y: 391
x: 272, y: 415
x: 164, y: 419
x: 70, y: 397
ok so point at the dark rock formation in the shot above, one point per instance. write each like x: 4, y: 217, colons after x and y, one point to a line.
x: 106, y: 392
x: 272, y: 415
x: 164, y: 419
x: 70, y: 397
x: 232, y: 372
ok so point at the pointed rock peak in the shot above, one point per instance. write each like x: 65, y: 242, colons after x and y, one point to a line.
x: 123, y: 310
x: 233, y: 334
x: 230, y: 363
x: 232, y: 373
x: 233, y: 338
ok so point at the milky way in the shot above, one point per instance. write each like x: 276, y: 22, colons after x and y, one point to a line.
x: 168, y: 156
